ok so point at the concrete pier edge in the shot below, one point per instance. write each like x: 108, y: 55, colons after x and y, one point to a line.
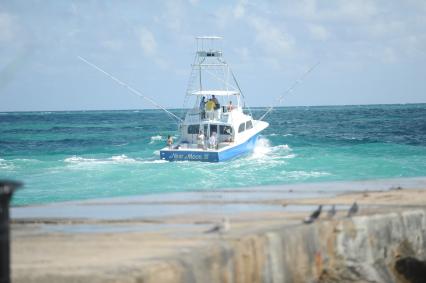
x: 384, y: 242
x: 358, y: 249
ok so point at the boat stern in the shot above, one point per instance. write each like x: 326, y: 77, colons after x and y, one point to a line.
x: 189, y: 155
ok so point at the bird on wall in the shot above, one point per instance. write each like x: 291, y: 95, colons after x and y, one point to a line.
x: 222, y: 227
x: 314, y: 216
x: 353, y: 209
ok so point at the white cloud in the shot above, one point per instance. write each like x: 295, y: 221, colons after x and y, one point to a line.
x: 331, y: 11
x: 318, y: 32
x: 7, y: 28
x: 147, y: 41
x: 149, y: 46
x: 74, y: 9
x: 173, y: 15
x: 239, y: 10
x: 273, y: 40
x: 244, y: 53
x: 389, y: 30
x: 111, y: 44
x: 305, y: 8
x: 415, y: 46
x: 361, y: 10
x: 386, y: 27
x: 223, y: 16
x: 389, y: 56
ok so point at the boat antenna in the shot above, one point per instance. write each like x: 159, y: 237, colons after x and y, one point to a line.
x: 131, y: 89
x: 290, y: 89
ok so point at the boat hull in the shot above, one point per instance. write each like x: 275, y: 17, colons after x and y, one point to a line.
x: 210, y: 156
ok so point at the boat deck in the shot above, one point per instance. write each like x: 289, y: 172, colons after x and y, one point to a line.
x: 196, y: 147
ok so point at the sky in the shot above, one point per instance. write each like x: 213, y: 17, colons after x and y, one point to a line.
x: 370, y: 52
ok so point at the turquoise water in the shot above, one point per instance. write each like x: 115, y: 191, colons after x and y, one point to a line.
x: 83, y: 155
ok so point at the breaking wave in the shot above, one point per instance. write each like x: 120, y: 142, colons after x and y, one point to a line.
x: 264, y: 149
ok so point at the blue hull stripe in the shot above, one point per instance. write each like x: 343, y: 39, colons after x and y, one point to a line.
x: 206, y: 156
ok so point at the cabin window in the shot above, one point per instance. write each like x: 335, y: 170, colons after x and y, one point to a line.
x: 193, y: 129
x: 249, y: 125
x: 225, y: 130
x: 213, y: 128
x: 242, y: 127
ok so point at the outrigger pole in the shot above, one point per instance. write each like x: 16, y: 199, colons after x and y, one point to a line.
x: 132, y: 90
x: 290, y: 89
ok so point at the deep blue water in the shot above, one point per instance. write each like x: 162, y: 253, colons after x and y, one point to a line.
x: 91, y: 154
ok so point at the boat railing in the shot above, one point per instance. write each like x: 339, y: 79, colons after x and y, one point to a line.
x: 214, y: 115
x: 195, y: 116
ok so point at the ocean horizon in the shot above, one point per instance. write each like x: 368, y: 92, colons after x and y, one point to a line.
x: 91, y: 154
x: 178, y: 109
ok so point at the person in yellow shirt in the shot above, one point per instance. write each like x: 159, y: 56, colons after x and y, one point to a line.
x: 210, y: 105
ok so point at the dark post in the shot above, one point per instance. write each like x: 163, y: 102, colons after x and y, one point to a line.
x: 6, y: 191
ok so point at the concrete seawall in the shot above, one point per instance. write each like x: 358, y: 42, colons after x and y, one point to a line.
x: 267, y: 241
x: 362, y: 249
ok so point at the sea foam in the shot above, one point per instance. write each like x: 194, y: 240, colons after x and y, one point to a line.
x: 262, y: 147
x: 6, y: 165
x: 303, y: 175
x: 282, y: 147
x: 78, y: 160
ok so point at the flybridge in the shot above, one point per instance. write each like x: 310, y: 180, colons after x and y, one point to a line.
x: 207, y: 46
x: 209, y: 53
x: 215, y: 92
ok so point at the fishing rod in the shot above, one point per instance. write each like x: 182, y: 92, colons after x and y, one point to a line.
x: 131, y: 89
x: 290, y: 89
x: 238, y: 86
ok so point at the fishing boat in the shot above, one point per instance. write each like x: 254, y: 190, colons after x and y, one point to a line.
x: 218, y: 126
